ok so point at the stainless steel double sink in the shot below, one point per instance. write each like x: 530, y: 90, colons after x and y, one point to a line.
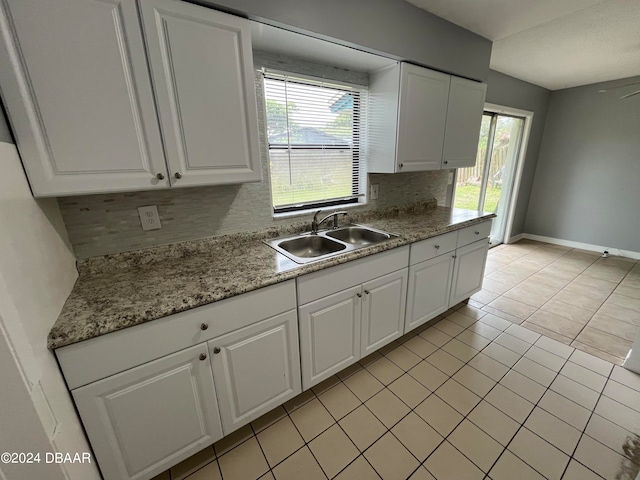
x: 308, y: 247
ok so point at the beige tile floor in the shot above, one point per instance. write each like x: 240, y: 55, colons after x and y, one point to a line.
x: 573, y: 296
x: 473, y: 396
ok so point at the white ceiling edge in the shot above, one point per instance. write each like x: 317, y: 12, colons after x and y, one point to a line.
x: 554, y: 44
x: 284, y: 42
x: 596, y: 44
x: 497, y: 19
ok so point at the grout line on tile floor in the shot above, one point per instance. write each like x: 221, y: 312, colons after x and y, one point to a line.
x: 447, y: 376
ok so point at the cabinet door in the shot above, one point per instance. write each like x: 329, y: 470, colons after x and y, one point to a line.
x: 468, y: 271
x: 421, y: 118
x: 147, y: 419
x: 202, y: 68
x: 256, y: 369
x: 383, y: 308
x: 76, y: 85
x: 464, y: 116
x: 429, y: 288
x: 329, y: 335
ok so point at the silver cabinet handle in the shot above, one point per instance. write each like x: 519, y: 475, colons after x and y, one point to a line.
x: 178, y: 175
x: 445, y: 162
x: 437, y: 246
x: 216, y: 350
x: 453, y: 256
x: 401, y: 165
x: 358, y: 295
x: 477, y: 233
x: 203, y: 356
x: 160, y: 176
x: 204, y: 326
x: 367, y: 292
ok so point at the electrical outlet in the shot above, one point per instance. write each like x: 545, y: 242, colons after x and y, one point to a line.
x: 373, y: 193
x: 149, y: 218
x: 450, y: 180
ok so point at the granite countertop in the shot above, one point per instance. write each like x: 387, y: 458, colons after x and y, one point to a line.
x: 117, y: 291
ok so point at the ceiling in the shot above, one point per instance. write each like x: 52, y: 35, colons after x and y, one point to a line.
x: 552, y: 43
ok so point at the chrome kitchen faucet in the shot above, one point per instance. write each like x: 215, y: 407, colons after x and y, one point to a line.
x: 315, y: 223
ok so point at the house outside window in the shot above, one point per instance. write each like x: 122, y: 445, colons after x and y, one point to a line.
x: 314, y: 136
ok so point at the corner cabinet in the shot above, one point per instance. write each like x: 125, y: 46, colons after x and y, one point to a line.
x: 202, y: 67
x: 81, y: 95
x: 420, y: 119
x: 153, y: 415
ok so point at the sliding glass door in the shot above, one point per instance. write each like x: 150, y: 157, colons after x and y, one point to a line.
x: 488, y: 186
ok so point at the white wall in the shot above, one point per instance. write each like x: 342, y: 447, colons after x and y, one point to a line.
x: 20, y: 426
x: 37, y: 272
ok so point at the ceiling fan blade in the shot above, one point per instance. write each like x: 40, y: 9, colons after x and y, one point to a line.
x: 618, y: 86
x: 637, y: 92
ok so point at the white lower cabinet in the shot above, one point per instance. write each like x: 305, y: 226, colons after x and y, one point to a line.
x: 145, y: 408
x: 468, y: 271
x: 329, y: 335
x: 339, y: 329
x: 429, y: 288
x: 142, y: 420
x: 383, y: 310
x: 445, y: 270
x: 256, y: 369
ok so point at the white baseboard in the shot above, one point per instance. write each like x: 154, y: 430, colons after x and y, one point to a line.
x: 515, y: 238
x: 614, y: 252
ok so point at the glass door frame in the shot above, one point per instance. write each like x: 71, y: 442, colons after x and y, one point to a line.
x: 518, y: 169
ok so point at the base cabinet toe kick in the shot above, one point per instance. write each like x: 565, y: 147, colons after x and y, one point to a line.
x: 166, y: 389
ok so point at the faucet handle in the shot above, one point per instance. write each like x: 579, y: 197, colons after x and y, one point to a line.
x: 335, y: 217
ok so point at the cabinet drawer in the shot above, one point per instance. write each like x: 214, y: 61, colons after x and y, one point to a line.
x: 336, y: 279
x: 91, y: 360
x: 473, y: 233
x: 432, y: 247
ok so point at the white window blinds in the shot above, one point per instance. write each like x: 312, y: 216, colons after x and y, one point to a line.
x: 313, y: 130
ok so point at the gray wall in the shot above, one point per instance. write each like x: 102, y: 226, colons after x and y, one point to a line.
x: 5, y: 133
x: 587, y: 184
x: 393, y: 28
x: 511, y: 92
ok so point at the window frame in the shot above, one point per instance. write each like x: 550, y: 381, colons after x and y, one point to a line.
x: 357, y: 164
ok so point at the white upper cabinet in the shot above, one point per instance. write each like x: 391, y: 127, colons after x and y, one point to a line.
x: 420, y: 119
x: 76, y: 86
x: 202, y: 68
x: 81, y: 100
x: 464, y: 116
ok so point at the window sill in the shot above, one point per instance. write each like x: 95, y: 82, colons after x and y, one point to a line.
x: 311, y: 211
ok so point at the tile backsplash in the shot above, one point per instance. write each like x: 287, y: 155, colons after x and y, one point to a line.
x: 103, y: 224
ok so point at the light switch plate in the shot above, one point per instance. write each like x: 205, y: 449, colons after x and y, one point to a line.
x: 450, y: 180
x: 149, y: 218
